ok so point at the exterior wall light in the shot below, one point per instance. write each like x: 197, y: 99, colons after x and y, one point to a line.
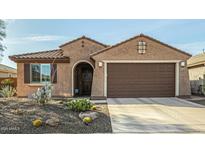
x: 100, y: 64
x: 182, y: 63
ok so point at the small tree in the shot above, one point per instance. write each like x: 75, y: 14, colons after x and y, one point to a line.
x: 7, y: 82
x: 2, y: 36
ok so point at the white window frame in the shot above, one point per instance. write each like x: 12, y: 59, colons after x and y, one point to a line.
x: 143, y: 46
x: 40, y: 73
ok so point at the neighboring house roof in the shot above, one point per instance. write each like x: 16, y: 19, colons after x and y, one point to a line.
x: 196, y: 60
x: 7, y: 69
x: 44, y: 56
x: 141, y: 35
x: 83, y: 37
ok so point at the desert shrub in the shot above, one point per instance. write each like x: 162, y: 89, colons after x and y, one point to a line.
x: 79, y: 105
x: 7, y: 91
x: 8, y: 82
x: 43, y: 94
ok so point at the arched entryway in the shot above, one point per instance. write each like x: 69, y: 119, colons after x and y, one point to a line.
x: 83, y: 75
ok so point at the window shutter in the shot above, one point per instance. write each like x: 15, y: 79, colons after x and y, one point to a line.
x: 26, y: 73
x: 54, y: 73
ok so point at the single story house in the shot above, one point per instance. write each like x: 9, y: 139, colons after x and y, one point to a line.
x: 196, y: 66
x: 7, y: 72
x: 137, y: 67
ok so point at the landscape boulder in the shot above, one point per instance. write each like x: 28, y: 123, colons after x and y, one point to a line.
x: 93, y: 115
x: 54, y: 121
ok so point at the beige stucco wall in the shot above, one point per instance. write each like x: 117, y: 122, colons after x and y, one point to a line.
x: 197, y: 79
x: 184, y: 84
x: 128, y: 51
x: 63, y: 87
x: 196, y: 73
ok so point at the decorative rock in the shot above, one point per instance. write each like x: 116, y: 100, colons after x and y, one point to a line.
x: 52, y: 121
x: 91, y: 114
x: 17, y: 111
x: 1, y: 106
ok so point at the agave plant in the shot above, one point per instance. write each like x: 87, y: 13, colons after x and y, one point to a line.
x: 7, y: 91
x: 43, y: 94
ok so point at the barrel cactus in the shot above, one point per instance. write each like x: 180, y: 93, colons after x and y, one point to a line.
x: 37, y: 122
x: 87, y: 120
x: 93, y: 107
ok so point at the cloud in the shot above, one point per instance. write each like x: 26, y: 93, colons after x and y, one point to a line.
x: 33, y: 38
x: 40, y: 38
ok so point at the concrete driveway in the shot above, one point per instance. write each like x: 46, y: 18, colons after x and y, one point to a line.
x: 156, y: 115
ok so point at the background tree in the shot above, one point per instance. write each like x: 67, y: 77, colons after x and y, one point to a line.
x: 2, y: 36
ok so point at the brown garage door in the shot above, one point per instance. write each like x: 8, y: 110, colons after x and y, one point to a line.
x: 140, y: 80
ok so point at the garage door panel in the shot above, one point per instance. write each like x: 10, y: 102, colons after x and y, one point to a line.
x: 140, y: 80
x: 142, y: 87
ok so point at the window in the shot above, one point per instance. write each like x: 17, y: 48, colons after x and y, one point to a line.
x: 35, y: 73
x: 45, y: 73
x: 40, y: 73
x: 141, y: 47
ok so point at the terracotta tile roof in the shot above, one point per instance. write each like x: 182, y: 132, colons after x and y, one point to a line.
x: 83, y: 37
x: 56, y: 54
x: 42, y: 55
x: 196, y: 60
x: 141, y: 35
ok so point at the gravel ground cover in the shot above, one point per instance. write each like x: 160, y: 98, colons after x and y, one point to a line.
x: 16, y: 116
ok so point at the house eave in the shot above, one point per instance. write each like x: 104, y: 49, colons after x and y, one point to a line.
x: 41, y: 60
x: 196, y: 65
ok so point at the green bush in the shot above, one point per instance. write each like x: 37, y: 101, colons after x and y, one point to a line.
x: 79, y: 105
x: 7, y: 91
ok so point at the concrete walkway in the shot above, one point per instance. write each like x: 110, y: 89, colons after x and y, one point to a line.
x: 156, y: 115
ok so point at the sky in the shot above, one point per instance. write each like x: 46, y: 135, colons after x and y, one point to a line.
x: 37, y: 35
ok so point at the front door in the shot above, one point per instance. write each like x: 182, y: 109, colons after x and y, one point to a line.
x: 86, y: 81
x: 83, y: 79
